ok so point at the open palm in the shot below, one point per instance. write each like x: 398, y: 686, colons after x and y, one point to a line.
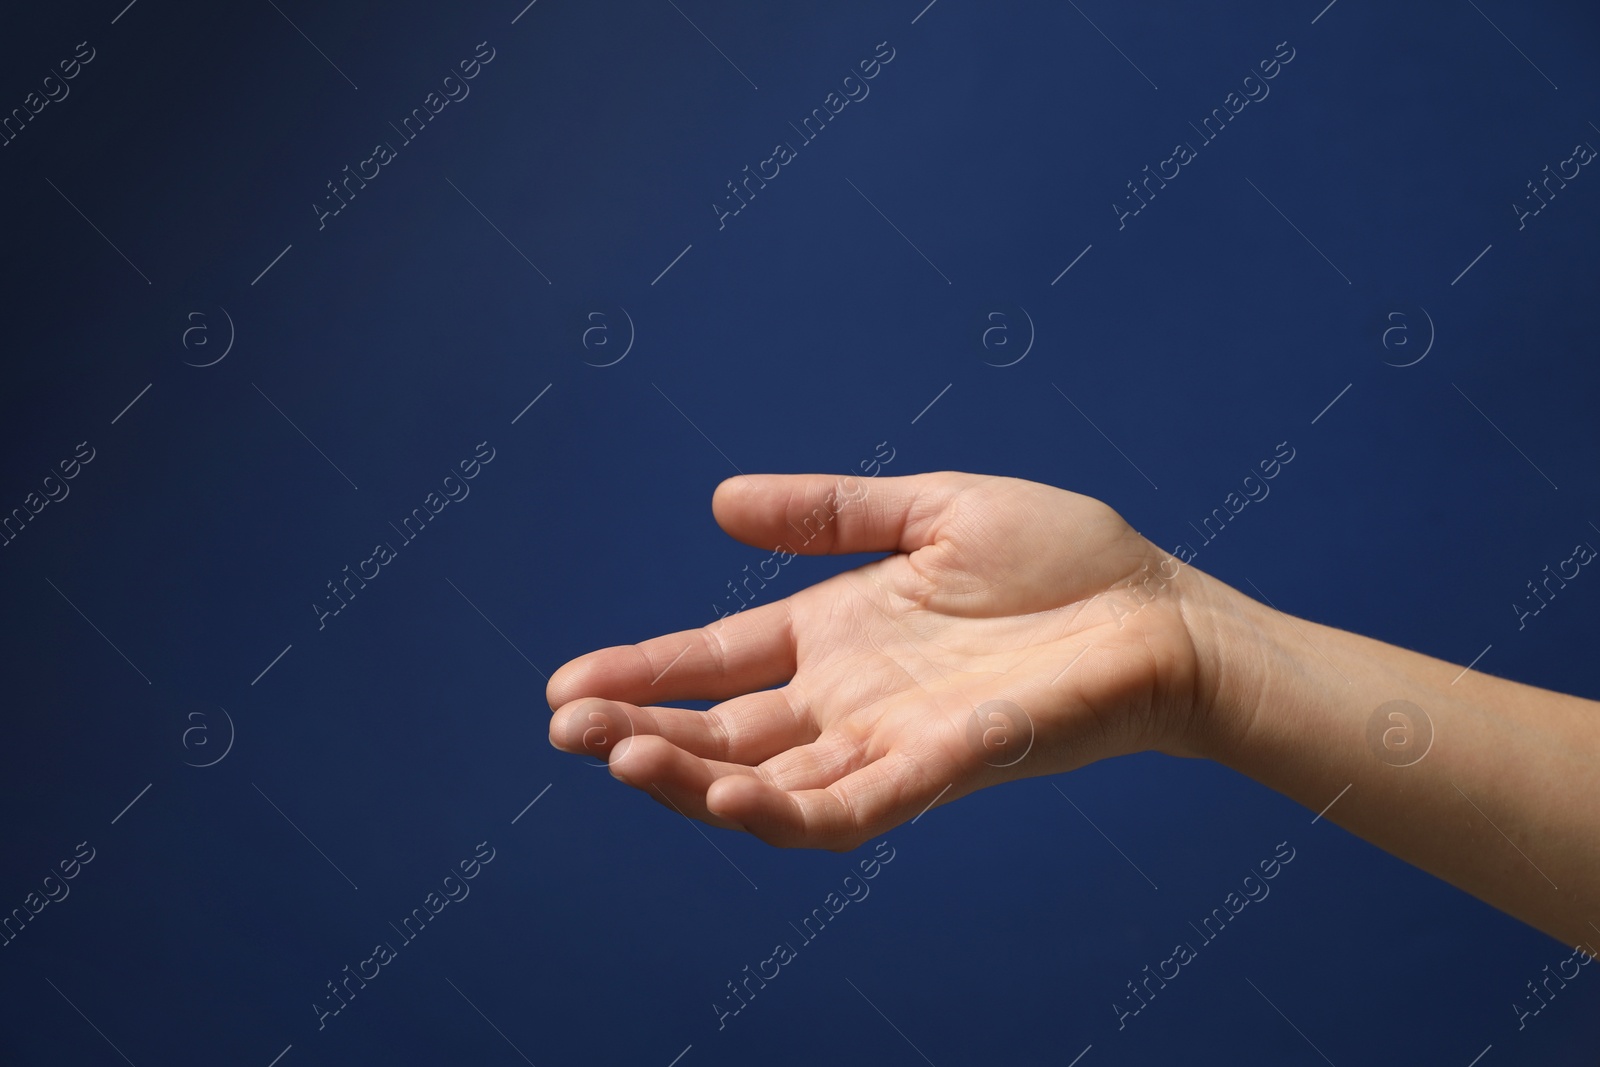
x: 1016, y: 629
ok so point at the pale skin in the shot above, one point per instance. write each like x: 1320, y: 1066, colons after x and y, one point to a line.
x: 847, y: 708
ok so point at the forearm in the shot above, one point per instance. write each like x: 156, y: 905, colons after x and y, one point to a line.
x: 1504, y: 803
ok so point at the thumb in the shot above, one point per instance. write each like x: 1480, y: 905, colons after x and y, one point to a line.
x: 820, y: 514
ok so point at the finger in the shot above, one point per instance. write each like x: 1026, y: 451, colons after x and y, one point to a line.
x: 737, y: 654
x: 747, y: 729
x: 859, y: 806
x: 814, y: 514
x: 823, y: 761
x: 672, y: 776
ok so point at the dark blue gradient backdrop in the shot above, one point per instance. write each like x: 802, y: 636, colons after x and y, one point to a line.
x: 276, y: 275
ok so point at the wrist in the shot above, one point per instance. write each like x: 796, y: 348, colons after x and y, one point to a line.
x: 1239, y: 662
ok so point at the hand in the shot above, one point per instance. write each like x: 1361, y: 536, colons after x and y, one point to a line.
x: 997, y: 590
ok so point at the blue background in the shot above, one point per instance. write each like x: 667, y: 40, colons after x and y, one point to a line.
x: 145, y: 210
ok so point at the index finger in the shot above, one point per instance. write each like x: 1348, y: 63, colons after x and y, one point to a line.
x: 737, y: 654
